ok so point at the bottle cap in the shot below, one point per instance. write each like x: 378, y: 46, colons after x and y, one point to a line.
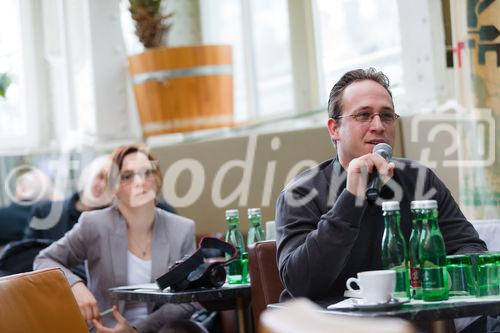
x: 390, y: 205
x: 424, y: 204
x: 254, y: 211
x: 232, y: 213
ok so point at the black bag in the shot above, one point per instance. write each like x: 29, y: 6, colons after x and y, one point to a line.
x: 196, y: 272
x: 18, y: 256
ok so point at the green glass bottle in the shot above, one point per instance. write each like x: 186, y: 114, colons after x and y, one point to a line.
x: 431, y: 253
x: 394, y: 252
x: 238, y: 268
x: 415, y: 272
x: 255, y: 232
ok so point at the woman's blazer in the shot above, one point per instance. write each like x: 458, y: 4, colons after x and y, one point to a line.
x: 100, y: 239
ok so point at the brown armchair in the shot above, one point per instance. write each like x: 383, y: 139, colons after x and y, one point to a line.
x: 39, y: 301
x: 266, y: 284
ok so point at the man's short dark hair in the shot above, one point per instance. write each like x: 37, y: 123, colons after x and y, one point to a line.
x: 335, y: 100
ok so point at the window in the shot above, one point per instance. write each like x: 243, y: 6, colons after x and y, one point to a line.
x: 273, y: 58
x: 259, y: 32
x: 359, y: 34
x: 349, y: 33
x: 13, y: 118
x: 54, y: 51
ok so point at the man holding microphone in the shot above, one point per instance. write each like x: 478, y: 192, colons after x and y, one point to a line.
x: 327, y: 229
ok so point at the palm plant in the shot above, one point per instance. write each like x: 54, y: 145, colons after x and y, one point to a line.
x: 150, y: 25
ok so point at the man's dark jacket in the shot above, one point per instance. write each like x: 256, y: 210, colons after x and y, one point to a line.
x: 324, y: 237
x: 61, y: 217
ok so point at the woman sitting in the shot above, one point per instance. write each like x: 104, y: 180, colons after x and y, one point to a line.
x: 131, y: 242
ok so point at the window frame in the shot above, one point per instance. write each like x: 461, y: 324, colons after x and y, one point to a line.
x: 32, y: 93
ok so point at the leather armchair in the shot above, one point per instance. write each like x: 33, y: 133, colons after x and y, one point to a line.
x: 39, y: 301
x: 266, y: 285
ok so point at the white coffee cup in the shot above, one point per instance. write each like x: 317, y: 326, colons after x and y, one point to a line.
x: 374, y: 286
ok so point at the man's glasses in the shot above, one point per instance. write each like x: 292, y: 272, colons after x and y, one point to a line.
x: 127, y: 177
x: 387, y: 117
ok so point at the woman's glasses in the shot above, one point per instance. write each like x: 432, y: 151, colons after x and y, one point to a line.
x: 126, y: 177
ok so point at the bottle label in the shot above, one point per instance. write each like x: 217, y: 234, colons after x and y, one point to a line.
x: 415, y: 277
x: 432, y: 278
x: 401, y: 281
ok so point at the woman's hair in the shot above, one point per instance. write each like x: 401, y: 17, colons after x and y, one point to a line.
x: 117, y: 158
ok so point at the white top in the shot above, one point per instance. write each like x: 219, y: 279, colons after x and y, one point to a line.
x: 424, y: 204
x: 390, y: 205
x: 138, y: 272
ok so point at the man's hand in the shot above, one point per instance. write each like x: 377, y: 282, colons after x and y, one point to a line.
x: 86, y: 301
x: 122, y: 325
x: 359, y: 168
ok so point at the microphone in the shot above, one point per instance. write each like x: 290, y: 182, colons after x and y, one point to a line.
x: 373, y: 188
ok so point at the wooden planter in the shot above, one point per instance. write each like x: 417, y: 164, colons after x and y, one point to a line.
x: 183, y: 88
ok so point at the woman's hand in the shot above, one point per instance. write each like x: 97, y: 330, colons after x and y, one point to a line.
x: 122, y: 325
x: 86, y: 301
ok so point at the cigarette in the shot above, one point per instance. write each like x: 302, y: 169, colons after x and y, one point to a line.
x: 105, y: 312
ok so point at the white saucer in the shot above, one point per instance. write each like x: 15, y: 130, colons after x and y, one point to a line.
x: 392, y: 304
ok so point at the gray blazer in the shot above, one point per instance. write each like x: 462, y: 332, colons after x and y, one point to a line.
x: 100, y: 239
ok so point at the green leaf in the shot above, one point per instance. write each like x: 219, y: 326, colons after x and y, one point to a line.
x: 5, y: 82
x: 156, y: 5
x: 152, y: 4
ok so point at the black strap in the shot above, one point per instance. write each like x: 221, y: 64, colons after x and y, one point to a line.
x: 215, y: 243
x: 180, y: 271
